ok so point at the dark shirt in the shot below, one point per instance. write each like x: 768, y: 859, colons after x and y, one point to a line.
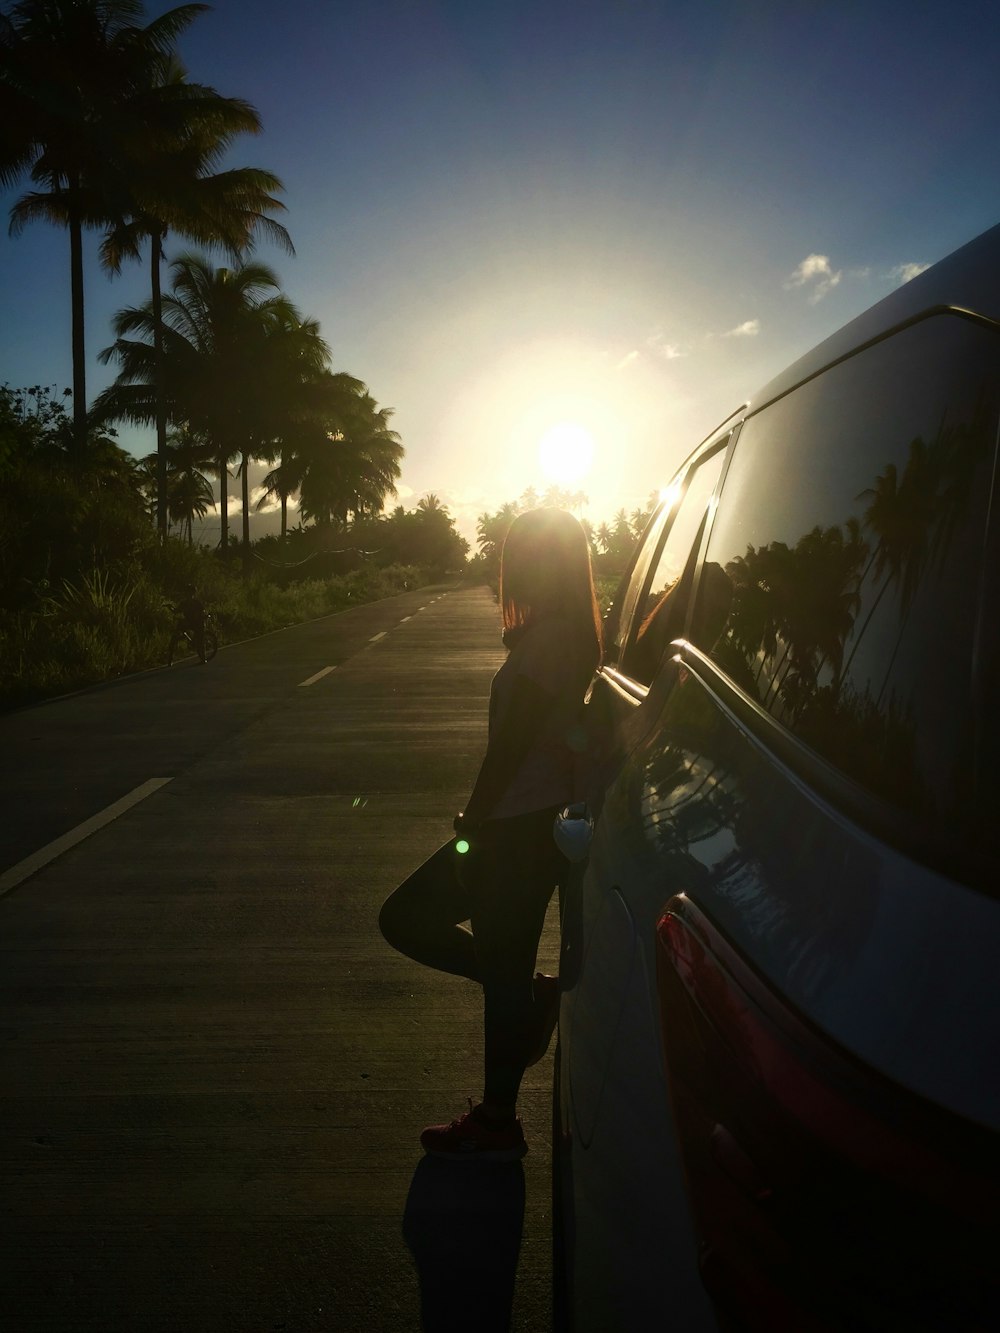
x: 192, y: 613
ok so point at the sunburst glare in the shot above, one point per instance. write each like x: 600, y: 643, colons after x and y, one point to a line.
x: 566, y: 453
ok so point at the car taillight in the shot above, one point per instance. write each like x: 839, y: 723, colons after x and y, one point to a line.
x: 825, y: 1196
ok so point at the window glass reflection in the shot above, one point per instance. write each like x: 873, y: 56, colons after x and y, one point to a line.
x: 848, y: 552
x: 661, y: 613
x: 616, y: 631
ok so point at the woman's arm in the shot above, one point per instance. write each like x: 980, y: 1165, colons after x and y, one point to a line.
x: 525, y: 718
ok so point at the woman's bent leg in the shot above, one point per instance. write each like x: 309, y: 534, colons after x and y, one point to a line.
x: 423, y: 917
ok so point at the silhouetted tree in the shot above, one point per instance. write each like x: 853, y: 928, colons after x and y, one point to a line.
x: 222, y: 341
x: 71, y: 73
x: 352, y: 465
x: 166, y: 182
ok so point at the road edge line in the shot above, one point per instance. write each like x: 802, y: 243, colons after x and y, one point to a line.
x: 17, y: 874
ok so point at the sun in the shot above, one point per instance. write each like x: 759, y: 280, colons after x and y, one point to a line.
x: 566, y: 452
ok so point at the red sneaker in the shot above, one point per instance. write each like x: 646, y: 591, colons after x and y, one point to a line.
x: 470, y: 1139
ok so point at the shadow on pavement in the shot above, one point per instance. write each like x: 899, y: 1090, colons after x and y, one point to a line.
x: 463, y: 1224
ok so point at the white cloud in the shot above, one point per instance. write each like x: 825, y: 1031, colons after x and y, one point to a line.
x: 627, y: 360
x: 669, y: 351
x: 815, y: 269
x: 813, y: 266
x: 904, y: 272
x: 748, y: 329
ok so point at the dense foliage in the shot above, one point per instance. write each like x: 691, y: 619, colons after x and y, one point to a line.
x: 611, y: 545
x: 86, y: 585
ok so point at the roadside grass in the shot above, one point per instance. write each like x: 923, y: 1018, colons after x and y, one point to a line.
x: 107, y: 623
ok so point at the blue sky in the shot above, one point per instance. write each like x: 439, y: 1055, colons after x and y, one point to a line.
x: 624, y: 214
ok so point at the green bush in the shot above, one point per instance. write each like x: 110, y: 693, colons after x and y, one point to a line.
x: 113, y: 620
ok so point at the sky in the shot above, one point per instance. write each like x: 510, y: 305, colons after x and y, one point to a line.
x: 598, y: 224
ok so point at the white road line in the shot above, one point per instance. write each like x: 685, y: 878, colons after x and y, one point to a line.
x: 405, y: 619
x: 318, y: 676
x: 24, y: 869
x: 375, y: 637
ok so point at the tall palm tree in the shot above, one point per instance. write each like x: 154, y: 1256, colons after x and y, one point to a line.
x: 295, y: 390
x: 167, y: 182
x: 70, y: 71
x: 214, y: 328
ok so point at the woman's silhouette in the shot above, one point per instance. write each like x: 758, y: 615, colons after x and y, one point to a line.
x: 503, y: 882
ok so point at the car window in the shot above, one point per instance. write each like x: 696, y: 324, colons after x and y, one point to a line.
x: 623, y: 607
x: 661, y: 603
x: 842, y: 580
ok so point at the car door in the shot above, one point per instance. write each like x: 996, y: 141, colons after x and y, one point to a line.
x: 652, y: 606
x: 607, y: 1017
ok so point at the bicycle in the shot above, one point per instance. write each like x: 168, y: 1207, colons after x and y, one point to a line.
x: 209, y: 636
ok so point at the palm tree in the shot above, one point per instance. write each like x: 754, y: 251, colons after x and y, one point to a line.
x: 279, y: 484
x: 315, y: 402
x: 214, y: 329
x: 189, y: 491
x: 286, y: 360
x: 491, y: 530
x: 296, y: 391
x: 556, y: 497
x: 70, y: 71
x: 245, y: 370
x: 352, y: 466
x: 168, y: 183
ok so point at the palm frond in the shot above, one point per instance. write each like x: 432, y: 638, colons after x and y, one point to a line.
x: 161, y: 33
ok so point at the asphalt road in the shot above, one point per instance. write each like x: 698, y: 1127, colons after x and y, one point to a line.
x: 214, y: 1071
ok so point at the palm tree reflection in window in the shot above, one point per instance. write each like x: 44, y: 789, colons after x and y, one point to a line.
x: 795, y: 609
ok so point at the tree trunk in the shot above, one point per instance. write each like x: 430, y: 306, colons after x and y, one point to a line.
x: 156, y: 251
x: 79, y: 349
x: 224, y: 503
x: 246, y: 512
x: 284, y: 516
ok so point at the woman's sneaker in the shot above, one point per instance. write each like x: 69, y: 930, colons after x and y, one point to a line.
x: 471, y: 1139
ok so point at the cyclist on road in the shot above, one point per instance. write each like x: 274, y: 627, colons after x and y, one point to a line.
x: 190, y: 613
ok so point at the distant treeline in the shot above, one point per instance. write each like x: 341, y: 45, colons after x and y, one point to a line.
x: 86, y: 583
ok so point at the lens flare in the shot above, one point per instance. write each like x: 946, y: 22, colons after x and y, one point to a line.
x: 566, y: 453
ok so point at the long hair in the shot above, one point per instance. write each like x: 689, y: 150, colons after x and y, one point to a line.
x: 544, y: 572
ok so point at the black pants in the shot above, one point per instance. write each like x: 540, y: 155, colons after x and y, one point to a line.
x: 502, y: 887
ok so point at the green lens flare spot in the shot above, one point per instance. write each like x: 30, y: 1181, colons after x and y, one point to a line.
x: 461, y: 846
